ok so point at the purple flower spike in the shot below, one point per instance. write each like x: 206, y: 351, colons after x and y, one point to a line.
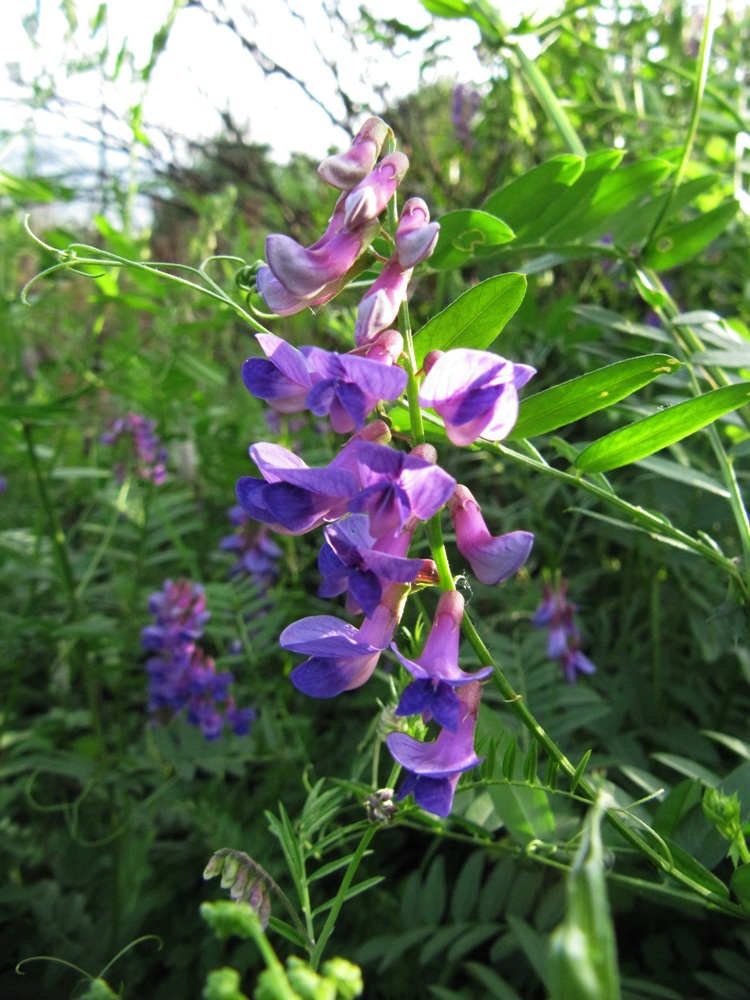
x: 475, y: 392
x: 370, y: 197
x: 306, y: 272
x: 397, y: 486
x: 348, y: 388
x: 380, y: 305
x: 350, y: 560
x: 557, y: 614
x: 342, y: 657
x: 293, y: 498
x: 492, y: 558
x: 345, y: 170
x: 436, y: 671
x: 433, y: 769
x: 281, y: 378
x: 416, y: 236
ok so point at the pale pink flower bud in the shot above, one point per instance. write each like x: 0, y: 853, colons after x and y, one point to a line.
x: 345, y: 170
x: 379, y: 307
x: 370, y: 197
x: 306, y: 272
x: 416, y: 236
x: 492, y: 559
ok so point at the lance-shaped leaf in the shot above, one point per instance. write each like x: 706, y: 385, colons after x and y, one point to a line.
x: 676, y: 245
x: 562, y: 404
x: 466, y: 234
x: 475, y: 318
x: 525, y: 198
x: 645, y: 437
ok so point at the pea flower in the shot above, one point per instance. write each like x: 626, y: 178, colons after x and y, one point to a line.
x: 475, y: 392
x: 492, y: 558
x: 282, y: 378
x: 257, y: 553
x: 147, y: 454
x: 182, y: 678
x: 341, y: 657
x: 370, y: 197
x: 396, y: 486
x: 348, y: 388
x: 433, y: 769
x: 415, y: 240
x: 345, y: 170
x: 352, y: 560
x: 292, y: 498
x: 557, y: 614
x: 437, y: 675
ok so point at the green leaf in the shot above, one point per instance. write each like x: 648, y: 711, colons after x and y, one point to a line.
x: 645, y: 437
x: 524, y: 199
x: 523, y: 810
x: 466, y: 234
x: 695, y: 871
x: 631, y: 226
x: 590, y: 218
x: 573, y: 400
x: 740, y: 885
x: 475, y: 318
x: 676, y: 245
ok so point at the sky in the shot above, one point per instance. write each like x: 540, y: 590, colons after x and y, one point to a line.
x: 205, y: 69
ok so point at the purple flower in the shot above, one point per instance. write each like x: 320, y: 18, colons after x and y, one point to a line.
x: 415, y: 236
x: 147, y: 455
x: 180, y: 611
x: 492, y: 558
x: 348, y: 388
x: 463, y: 109
x: 437, y: 674
x: 370, y: 197
x: 307, y: 273
x: 379, y: 306
x: 397, y: 486
x: 345, y: 170
x: 433, y: 769
x: 475, y: 392
x: 557, y: 614
x: 181, y: 677
x: 282, y: 302
x: 341, y: 657
x: 282, y: 378
x: 351, y: 559
x: 293, y: 498
x: 257, y: 553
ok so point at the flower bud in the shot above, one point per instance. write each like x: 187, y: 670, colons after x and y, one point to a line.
x: 345, y: 170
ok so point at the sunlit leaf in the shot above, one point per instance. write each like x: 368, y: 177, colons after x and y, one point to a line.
x: 525, y: 198
x: 466, y: 234
x: 676, y: 245
x: 645, y: 437
x: 590, y: 218
x: 577, y: 398
x: 475, y: 318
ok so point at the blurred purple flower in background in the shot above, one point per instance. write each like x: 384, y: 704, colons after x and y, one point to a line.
x: 557, y: 614
x: 147, y: 456
x: 466, y: 101
x: 257, y: 553
x: 182, y: 678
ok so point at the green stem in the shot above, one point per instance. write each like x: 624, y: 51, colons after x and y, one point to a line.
x: 338, y: 902
x: 704, y: 58
x: 537, y: 82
